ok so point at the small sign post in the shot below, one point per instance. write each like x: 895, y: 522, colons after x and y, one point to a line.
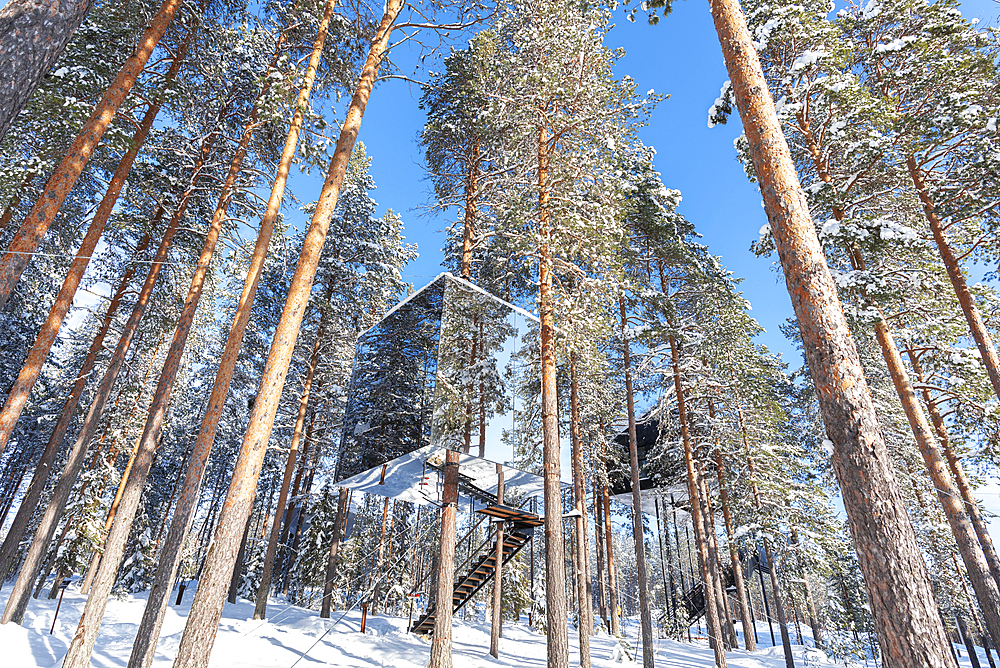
x: 62, y: 590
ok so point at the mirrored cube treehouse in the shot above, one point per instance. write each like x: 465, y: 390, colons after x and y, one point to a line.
x: 433, y: 372
x: 436, y: 374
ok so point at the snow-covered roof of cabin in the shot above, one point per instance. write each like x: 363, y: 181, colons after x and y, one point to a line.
x: 414, y: 477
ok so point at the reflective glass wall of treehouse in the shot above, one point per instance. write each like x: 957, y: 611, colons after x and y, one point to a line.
x: 438, y: 367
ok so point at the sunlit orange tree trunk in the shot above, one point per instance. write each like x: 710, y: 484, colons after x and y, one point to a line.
x: 199, y: 632
x: 21, y: 391
x: 61, y: 182
x: 18, y: 602
x: 899, y: 590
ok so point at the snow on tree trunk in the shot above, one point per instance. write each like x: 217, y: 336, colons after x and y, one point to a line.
x: 899, y: 589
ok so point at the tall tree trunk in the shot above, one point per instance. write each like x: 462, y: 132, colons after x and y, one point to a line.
x: 602, y: 594
x: 983, y: 583
x: 82, y: 645
x: 496, y: 621
x: 264, y: 588
x: 749, y: 633
x: 144, y: 648
x: 711, y: 612
x: 896, y: 579
x: 980, y: 334
x: 807, y: 589
x: 331, y: 564
x: 61, y: 182
x: 18, y: 601
x: 471, y: 207
x: 441, y: 643
x: 779, y: 609
x: 637, y: 528
x: 557, y: 635
x: 955, y: 464
x: 40, y: 476
x: 33, y: 34
x: 32, y: 367
x: 616, y: 629
x: 584, y: 587
x: 234, y: 581
x: 708, y: 516
x: 380, y: 559
x: 199, y: 633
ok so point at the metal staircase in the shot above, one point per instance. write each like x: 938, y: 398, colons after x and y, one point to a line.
x: 519, y: 527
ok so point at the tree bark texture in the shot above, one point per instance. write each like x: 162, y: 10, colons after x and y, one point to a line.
x: 33, y: 34
x: 59, y: 185
x: 958, y: 471
x: 144, y: 648
x: 199, y: 633
x: 18, y: 602
x: 898, y: 586
x: 711, y: 612
x: 584, y: 588
x: 441, y: 644
x: 260, y: 608
x: 645, y: 615
x: 602, y: 595
x: 977, y: 327
x: 331, y: 564
x: 616, y: 629
x: 32, y: 367
x: 471, y: 206
x: 43, y: 468
x: 983, y: 583
x: 714, y: 561
x: 557, y: 635
x: 749, y: 633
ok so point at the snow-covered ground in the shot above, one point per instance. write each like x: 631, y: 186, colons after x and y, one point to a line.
x: 294, y: 634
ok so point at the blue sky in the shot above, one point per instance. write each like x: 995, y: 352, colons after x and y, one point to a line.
x: 679, y: 57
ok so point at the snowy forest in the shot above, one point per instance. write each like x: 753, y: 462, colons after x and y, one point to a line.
x: 237, y: 430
